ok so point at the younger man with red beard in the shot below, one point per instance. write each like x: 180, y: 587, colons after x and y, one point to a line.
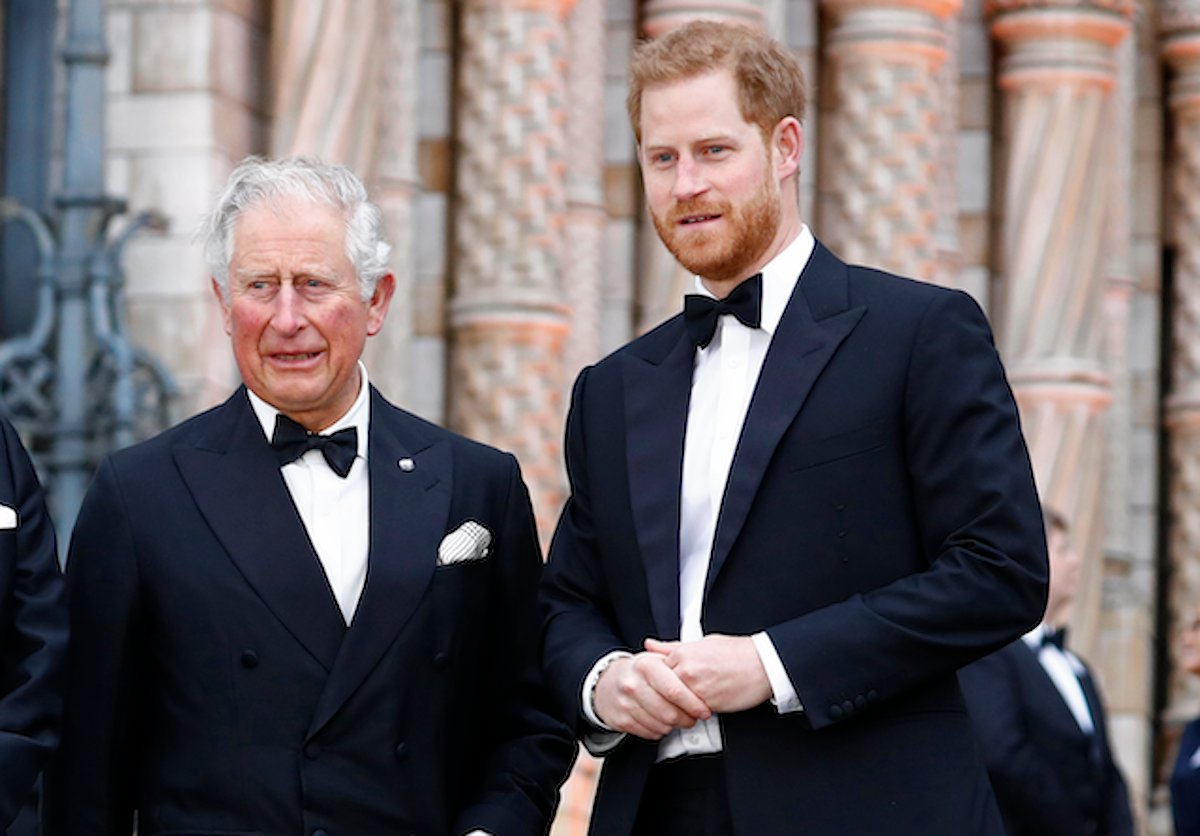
x: 789, y: 525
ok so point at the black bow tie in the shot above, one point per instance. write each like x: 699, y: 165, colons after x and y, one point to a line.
x: 700, y: 313
x: 1054, y: 637
x: 291, y: 441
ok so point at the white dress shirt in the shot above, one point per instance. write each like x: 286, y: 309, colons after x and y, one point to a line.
x: 724, y: 377
x: 1064, y: 669
x: 336, y: 512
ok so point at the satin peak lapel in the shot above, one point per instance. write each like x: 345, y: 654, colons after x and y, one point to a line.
x: 410, y: 504
x: 816, y: 321
x: 658, y: 385
x: 234, y: 478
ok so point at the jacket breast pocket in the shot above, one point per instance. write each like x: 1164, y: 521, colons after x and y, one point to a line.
x: 842, y: 445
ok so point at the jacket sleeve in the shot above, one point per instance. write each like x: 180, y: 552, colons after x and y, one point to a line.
x: 576, y: 604
x: 89, y: 788
x: 530, y: 749
x: 34, y: 619
x: 977, y: 520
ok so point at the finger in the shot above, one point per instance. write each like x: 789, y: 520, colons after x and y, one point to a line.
x: 668, y: 686
x: 658, y: 646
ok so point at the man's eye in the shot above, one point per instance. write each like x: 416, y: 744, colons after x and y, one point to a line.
x: 714, y: 150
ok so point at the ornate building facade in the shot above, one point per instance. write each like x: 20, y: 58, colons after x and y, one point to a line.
x: 1043, y: 155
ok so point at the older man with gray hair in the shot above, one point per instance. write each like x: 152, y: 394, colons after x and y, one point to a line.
x: 305, y: 610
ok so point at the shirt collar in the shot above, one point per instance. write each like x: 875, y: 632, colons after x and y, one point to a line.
x: 358, y: 416
x: 1034, y: 637
x: 779, y: 278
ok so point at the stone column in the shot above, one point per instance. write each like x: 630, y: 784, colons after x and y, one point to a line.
x: 324, y: 60
x: 394, y: 185
x: 882, y: 165
x: 1056, y: 80
x: 662, y: 282
x: 948, y: 271
x: 507, y: 316
x: 586, y: 215
x: 343, y: 81
x: 1181, y: 49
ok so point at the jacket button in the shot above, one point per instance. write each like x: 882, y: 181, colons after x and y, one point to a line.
x: 440, y: 660
x: 848, y: 707
x: 841, y: 506
x: 312, y: 751
x: 860, y: 701
x: 872, y: 695
x: 320, y: 831
x: 249, y: 659
x: 835, y: 712
x: 401, y: 750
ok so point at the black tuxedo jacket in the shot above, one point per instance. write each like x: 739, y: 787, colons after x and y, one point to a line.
x: 1050, y: 778
x: 215, y: 688
x: 879, y: 522
x: 33, y: 630
x: 1185, y: 784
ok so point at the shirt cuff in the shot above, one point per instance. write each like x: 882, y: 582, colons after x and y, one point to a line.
x: 783, y: 693
x: 588, y: 695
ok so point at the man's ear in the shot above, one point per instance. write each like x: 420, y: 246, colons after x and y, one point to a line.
x: 787, y: 146
x: 377, y: 308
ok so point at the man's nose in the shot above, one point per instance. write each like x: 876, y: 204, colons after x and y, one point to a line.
x: 689, y: 179
x: 289, y: 310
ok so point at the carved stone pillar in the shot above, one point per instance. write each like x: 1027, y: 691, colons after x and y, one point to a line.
x: 586, y: 215
x: 394, y: 187
x: 507, y: 317
x: 948, y: 271
x: 333, y: 97
x: 662, y: 282
x: 1056, y: 79
x: 884, y: 158
x: 1181, y: 49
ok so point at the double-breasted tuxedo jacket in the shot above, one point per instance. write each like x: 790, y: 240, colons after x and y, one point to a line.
x: 215, y: 688
x: 1050, y: 777
x: 879, y: 522
x: 33, y: 628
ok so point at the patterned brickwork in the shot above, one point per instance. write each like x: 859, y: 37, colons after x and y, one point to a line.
x: 511, y: 162
x: 507, y: 317
x: 507, y: 383
x: 885, y: 159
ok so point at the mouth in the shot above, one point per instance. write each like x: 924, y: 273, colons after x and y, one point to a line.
x: 689, y: 220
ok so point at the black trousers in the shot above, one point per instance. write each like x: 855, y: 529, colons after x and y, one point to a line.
x: 686, y: 797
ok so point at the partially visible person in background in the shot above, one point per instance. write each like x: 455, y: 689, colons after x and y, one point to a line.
x: 1185, y: 777
x: 1041, y: 722
x: 33, y: 635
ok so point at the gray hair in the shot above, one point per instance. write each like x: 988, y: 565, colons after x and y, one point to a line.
x: 257, y: 180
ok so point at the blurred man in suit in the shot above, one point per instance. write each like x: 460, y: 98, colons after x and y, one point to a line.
x: 33, y: 634
x: 305, y: 611
x: 1041, y: 724
x: 796, y: 509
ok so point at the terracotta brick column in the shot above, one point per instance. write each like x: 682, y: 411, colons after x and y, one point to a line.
x: 1057, y: 75
x: 507, y: 318
x: 1181, y: 50
x: 880, y: 202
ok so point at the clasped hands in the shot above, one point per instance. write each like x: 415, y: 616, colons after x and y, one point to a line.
x: 674, y: 684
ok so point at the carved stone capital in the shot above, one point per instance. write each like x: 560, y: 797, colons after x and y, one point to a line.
x: 661, y: 16
x: 887, y: 32
x: 1060, y: 42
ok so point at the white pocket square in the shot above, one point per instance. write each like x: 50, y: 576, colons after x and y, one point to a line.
x: 8, y: 518
x: 470, y: 541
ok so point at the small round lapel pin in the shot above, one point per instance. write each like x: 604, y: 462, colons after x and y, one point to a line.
x: 406, y: 465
